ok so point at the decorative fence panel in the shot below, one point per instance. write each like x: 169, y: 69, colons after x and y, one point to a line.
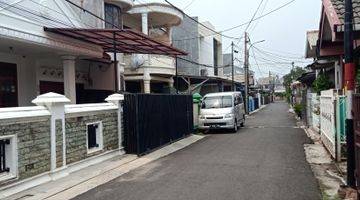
x: 328, y: 121
x: 341, y: 127
x: 315, y: 103
x: 309, y: 109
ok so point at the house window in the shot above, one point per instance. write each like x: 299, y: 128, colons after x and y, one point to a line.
x: 8, y: 158
x: 94, y: 137
x: 113, y: 16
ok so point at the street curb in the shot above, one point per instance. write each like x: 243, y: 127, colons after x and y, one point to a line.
x: 83, y: 187
x: 258, y: 110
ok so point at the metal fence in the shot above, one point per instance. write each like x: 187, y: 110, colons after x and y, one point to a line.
x: 152, y: 121
x: 309, y: 109
x: 328, y: 122
x: 315, y: 103
x: 332, y: 123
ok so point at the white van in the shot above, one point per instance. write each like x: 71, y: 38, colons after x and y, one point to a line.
x: 222, y: 111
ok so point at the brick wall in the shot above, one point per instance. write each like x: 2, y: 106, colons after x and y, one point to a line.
x: 76, y: 147
x: 59, y: 144
x: 33, y: 141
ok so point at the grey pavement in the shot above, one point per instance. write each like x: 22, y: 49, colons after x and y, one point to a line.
x: 264, y: 160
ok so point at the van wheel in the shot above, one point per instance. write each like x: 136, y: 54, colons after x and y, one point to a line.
x: 235, y: 129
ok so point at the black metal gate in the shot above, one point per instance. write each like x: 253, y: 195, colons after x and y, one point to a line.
x: 152, y: 121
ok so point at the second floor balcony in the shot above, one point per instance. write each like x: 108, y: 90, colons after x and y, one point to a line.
x: 154, y: 64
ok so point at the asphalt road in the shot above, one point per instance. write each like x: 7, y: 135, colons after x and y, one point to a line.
x: 264, y: 160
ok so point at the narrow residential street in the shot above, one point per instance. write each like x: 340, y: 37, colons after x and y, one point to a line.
x: 264, y: 160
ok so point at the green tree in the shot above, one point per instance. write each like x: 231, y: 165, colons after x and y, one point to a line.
x: 321, y: 83
x: 293, y: 75
x: 289, y: 78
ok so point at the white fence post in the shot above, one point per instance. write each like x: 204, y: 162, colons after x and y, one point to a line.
x: 259, y: 97
x: 55, y: 103
x: 117, y: 100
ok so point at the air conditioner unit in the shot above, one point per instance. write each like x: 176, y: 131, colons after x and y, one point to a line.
x: 137, y: 60
x: 204, y: 72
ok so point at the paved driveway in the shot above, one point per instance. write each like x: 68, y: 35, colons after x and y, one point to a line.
x: 264, y: 160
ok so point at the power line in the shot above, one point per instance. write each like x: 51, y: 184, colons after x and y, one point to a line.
x: 262, y: 12
x: 189, y: 4
x: 278, y: 55
x: 63, y: 14
x: 279, y: 59
x: 216, y: 32
x: 204, y: 65
x: 256, y: 62
x: 243, y: 24
x: 262, y: 16
x: 186, y: 30
x: 33, y: 13
x: 254, y: 15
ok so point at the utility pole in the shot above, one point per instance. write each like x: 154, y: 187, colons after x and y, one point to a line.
x: 349, y: 89
x: 233, y: 88
x: 246, y: 70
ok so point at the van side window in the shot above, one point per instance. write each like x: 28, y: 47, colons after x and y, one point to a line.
x: 240, y: 99
x: 236, y: 101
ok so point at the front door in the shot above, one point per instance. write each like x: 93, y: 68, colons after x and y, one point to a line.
x: 8, y: 85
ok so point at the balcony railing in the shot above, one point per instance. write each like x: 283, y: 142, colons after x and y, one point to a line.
x: 155, y: 64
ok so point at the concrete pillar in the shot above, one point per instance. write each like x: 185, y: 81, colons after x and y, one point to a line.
x: 117, y: 99
x: 147, y: 86
x: 69, y: 77
x: 171, y: 83
x: 145, y: 23
x: 169, y: 31
x: 147, y: 81
x: 55, y: 103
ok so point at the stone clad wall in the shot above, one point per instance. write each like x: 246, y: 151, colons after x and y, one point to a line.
x: 76, y: 147
x: 59, y: 145
x: 33, y: 142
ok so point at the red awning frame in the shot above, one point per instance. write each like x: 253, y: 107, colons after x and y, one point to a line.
x: 119, y: 41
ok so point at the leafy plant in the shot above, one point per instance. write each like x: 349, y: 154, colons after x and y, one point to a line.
x: 298, y: 109
x: 321, y: 83
x: 289, y: 78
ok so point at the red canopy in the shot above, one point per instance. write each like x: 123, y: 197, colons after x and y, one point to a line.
x: 120, y: 41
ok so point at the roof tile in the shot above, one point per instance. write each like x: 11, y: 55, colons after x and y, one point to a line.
x: 339, y: 6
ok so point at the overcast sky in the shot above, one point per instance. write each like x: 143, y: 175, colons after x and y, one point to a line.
x: 284, y: 31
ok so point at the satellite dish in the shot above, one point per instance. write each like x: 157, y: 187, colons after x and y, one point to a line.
x: 137, y: 60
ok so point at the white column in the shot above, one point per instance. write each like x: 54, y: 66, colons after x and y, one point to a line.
x: 259, y: 97
x: 55, y: 103
x: 145, y: 23
x: 145, y: 30
x: 169, y: 31
x: 69, y: 77
x: 147, y: 87
x: 117, y: 99
x: 171, y: 83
